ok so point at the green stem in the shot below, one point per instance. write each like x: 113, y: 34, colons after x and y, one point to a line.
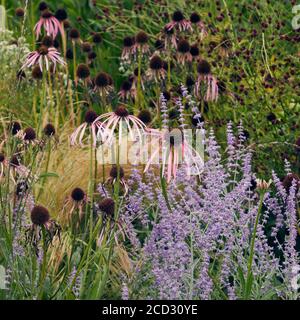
x: 251, y: 256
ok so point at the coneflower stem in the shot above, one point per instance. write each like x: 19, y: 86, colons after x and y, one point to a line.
x: 91, y: 183
x: 43, y: 266
x: 252, y: 244
x: 164, y: 189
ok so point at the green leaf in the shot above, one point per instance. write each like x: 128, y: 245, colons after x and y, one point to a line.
x: 49, y: 174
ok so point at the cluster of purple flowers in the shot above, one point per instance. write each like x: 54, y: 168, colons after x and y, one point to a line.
x: 200, y: 247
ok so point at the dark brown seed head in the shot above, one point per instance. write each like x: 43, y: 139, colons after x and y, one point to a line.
x: 39, y: 215
x: 61, y: 14
x: 19, y: 12
x: 49, y: 130
x: 159, y: 45
x: 183, y: 46
x: 14, y: 127
x: 126, y: 85
x: 90, y: 116
x: 37, y: 73
x: 121, y: 112
x: 29, y: 134
x: 156, y: 63
x: 15, y: 161
x: 86, y: 47
x: 74, y: 34
x: 2, y: 157
x: 47, y: 41
x: 101, y: 80
x: 167, y: 95
x: 142, y: 38
x: 128, y: 42
x: 114, y: 172
x: 92, y: 55
x: 77, y: 194
x: 43, y: 50
x: 189, y: 81
x: 107, y: 206
x: 177, y: 16
x: 194, y: 50
x: 195, y: 17
x: 288, y: 180
x: 145, y: 116
x: 203, y: 67
x: 97, y: 38
x: 46, y: 14
x: 43, y: 6
x: 83, y: 71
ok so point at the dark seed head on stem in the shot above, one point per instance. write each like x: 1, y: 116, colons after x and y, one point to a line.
x: 43, y: 6
x: 2, y: 157
x: 92, y: 55
x: 203, y: 67
x: 49, y: 130
x: 288, y: 180
x: 128, y: 42
x: 77, y: 194
x: 29, y: 134
x: 83, y: 71
x: 47, y: 41
x: 194, y: 50
x: 46, y: 14
x: 126, y: 85
x: 183, y: 46
x: 142, y: 38
x: 114, y: 172
x: 177, y: 16
x: 61, y: 14
x: 39, y: 215
x: 74, y: 34
x: 97, y: 38
x: 86, y: 47
x: 90, y: 116
x: 121, y: 112
x: 107, y: 206
x: 19, y: 12
x: 145, y: 116
x: 195, y: 17
x: 156, y: 63
x: 101, y: 80
x: 15, y: 127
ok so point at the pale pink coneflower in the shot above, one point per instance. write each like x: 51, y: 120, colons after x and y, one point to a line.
x: 174, y: 148
x: 115, y: 173
x: 128, y: 48
x: 170, y: 39
x: 103, y: 84
x: 183, y: 54
x: 109, y: 122
x: 196, y: 20
x: 141, y: 43
x: 16, y: 168
x: 205, y: 77
x: 127, y: 90
x: 156, y: 71
x: 50, y: 24
x: 43, y: 55
x: 179, y: 22
x: 78, y: 135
